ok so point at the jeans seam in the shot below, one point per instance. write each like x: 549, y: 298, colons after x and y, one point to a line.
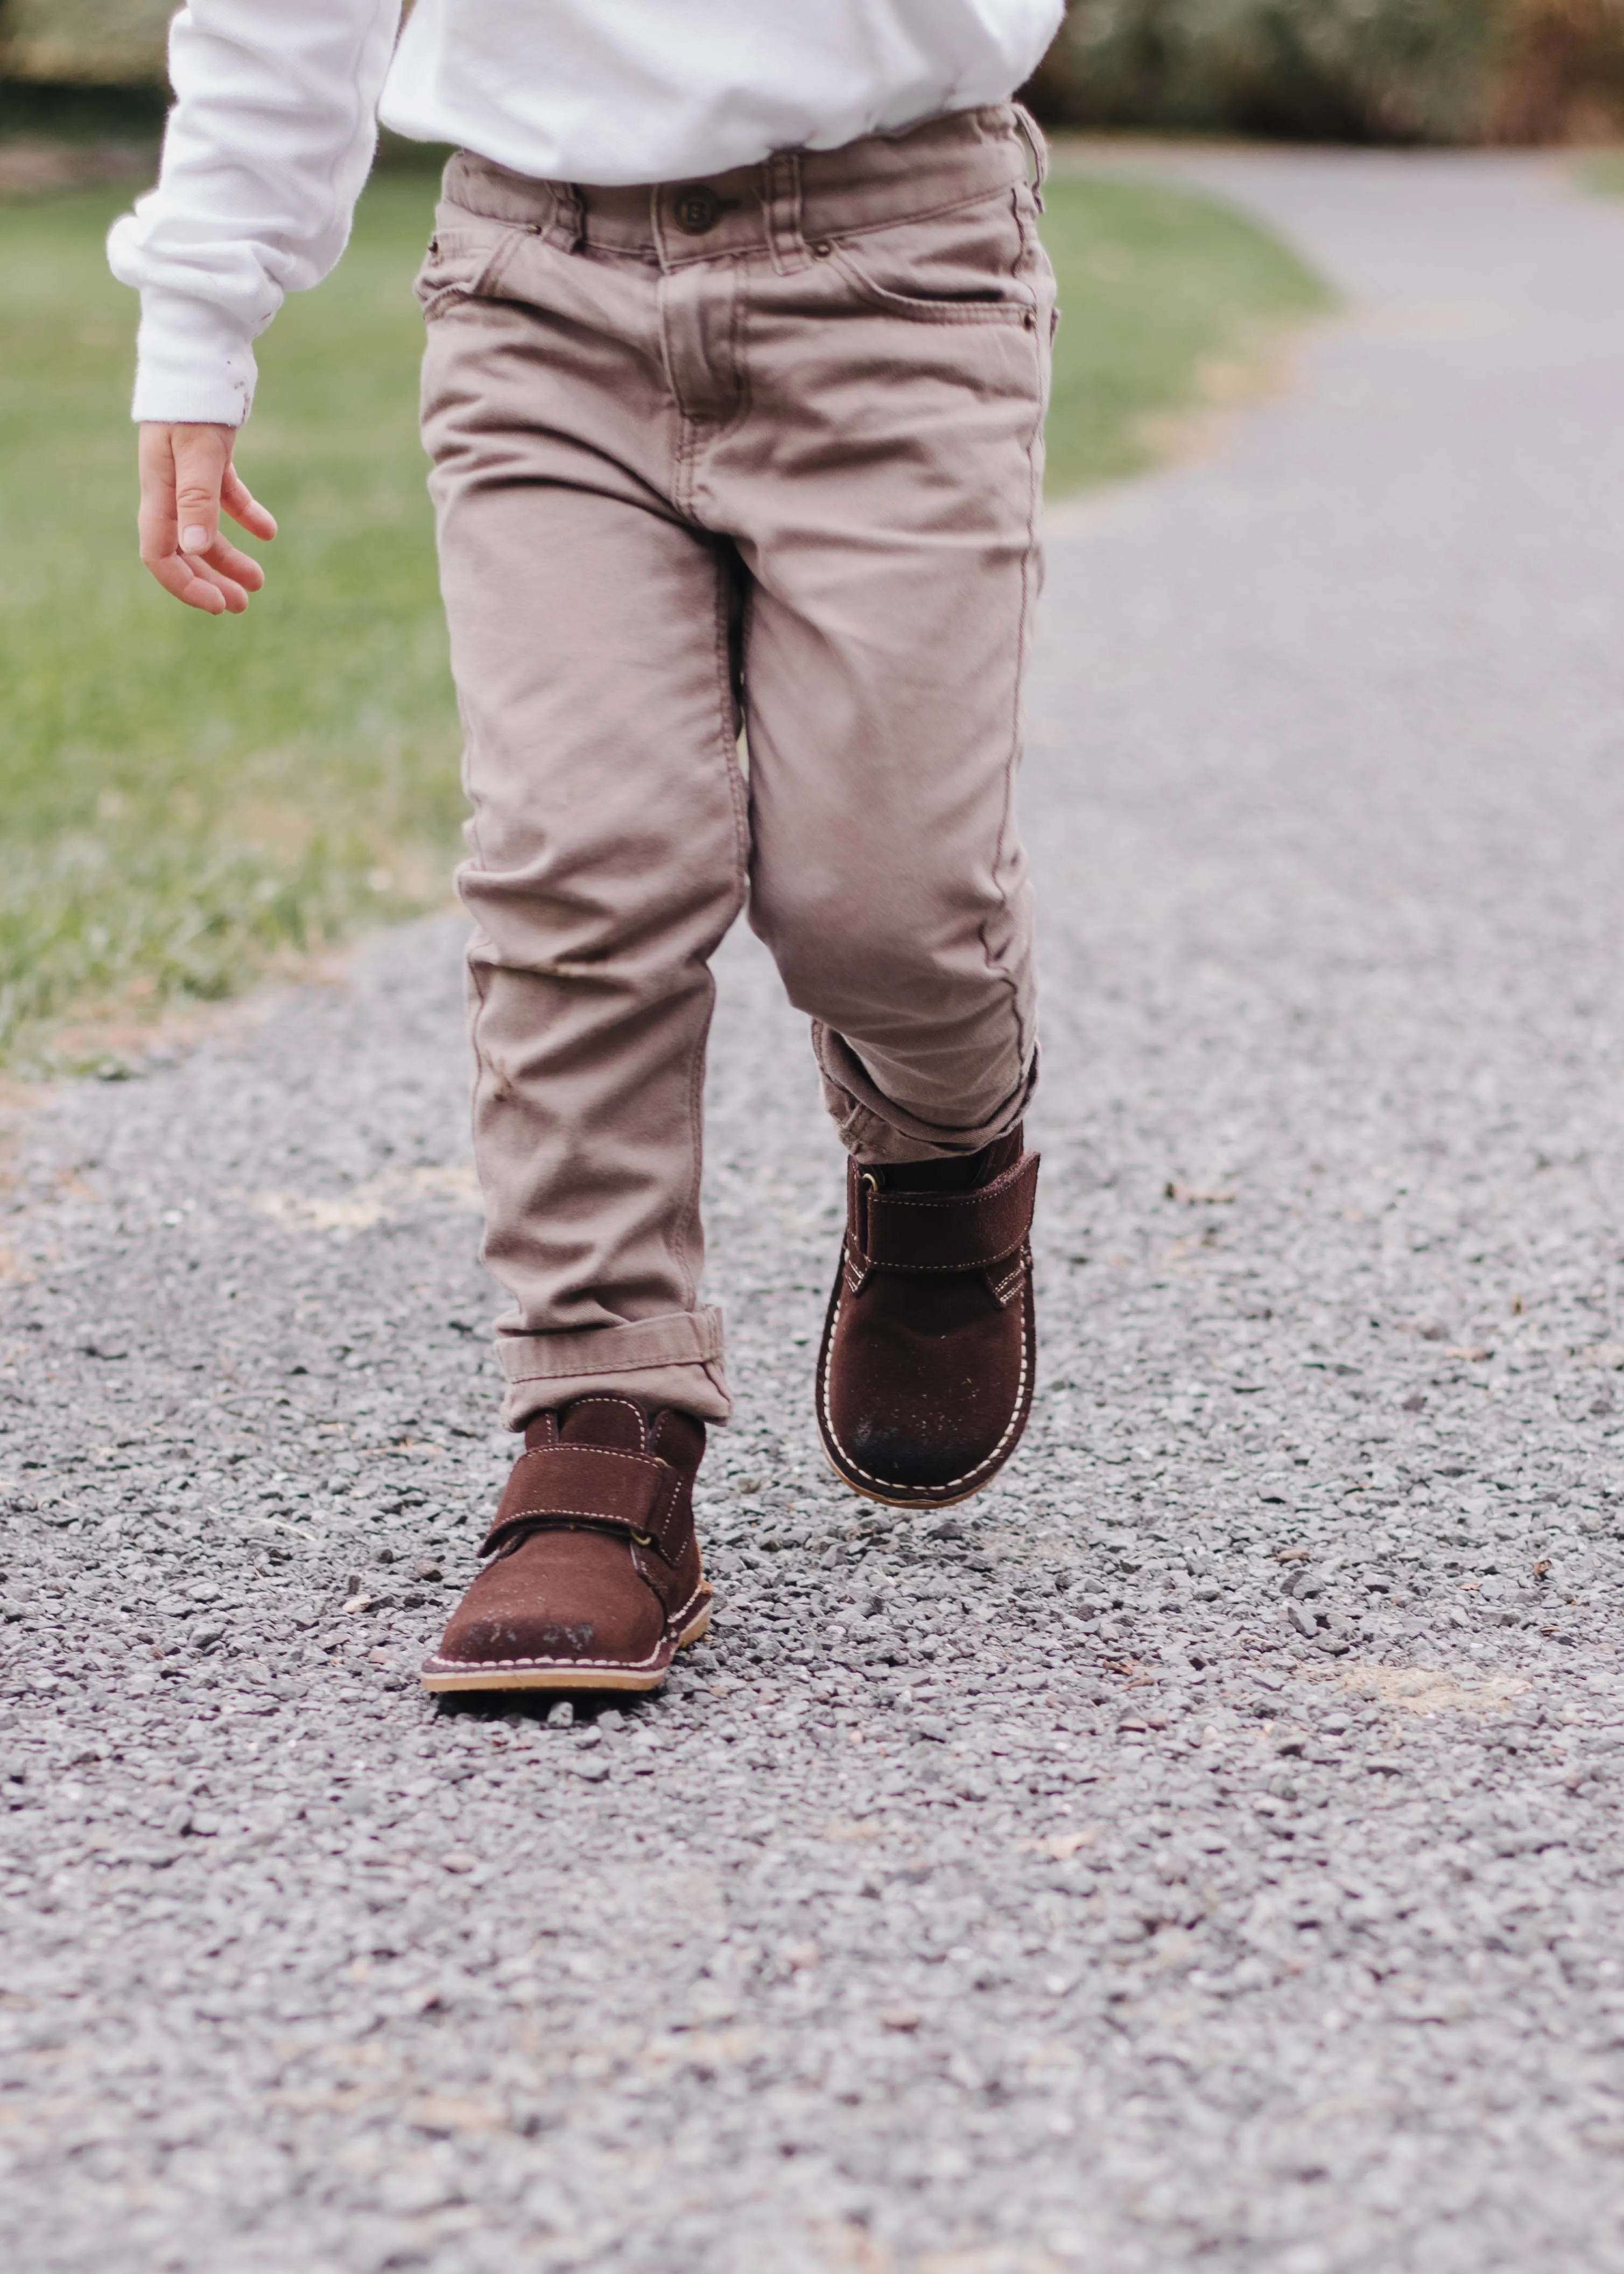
x: 1024, y: 1042
x: 726, y: 712
x: 925, y: 212
x: 970, y: 315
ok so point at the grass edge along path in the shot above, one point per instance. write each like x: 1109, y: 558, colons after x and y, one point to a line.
x: 185, y: 804
x: 1602, y: 171
x: 1172, y: 301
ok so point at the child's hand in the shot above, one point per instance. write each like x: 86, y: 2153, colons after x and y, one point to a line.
x: 187, y: 478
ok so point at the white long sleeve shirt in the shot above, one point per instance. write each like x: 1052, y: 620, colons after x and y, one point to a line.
x: 276, y: 104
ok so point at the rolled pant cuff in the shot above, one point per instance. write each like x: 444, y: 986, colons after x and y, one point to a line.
x: 675, y: 1360
x: 874, y: 1129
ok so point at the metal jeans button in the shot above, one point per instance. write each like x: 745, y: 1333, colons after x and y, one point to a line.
x: 697, y: 209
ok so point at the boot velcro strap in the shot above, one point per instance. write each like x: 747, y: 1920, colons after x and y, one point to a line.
x: 945, y: 1231
x: 633, y: 1493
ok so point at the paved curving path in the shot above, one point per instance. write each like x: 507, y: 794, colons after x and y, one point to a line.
x: 1204, y: 1849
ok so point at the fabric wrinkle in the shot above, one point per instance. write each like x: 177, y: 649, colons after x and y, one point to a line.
x: 740, y: 527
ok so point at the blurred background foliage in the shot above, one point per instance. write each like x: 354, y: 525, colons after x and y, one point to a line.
x: 1364, y: 70
x: 83, y: 43
x: 1367, y: 71
x: 1360, y: 70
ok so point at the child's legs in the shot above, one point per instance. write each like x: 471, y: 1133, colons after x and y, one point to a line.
x: 886, y: 491
x: 590, y: 638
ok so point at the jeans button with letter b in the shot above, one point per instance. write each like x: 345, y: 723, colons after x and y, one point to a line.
x: 697, y: 209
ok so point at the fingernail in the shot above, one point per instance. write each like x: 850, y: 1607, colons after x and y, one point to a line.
x: 194, y: 540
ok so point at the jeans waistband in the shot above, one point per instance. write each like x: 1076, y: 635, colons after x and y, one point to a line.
x: 781, y: 207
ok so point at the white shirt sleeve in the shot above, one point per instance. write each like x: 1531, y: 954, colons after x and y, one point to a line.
x: 268, y: 145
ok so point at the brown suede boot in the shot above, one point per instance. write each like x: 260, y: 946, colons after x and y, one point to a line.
x: 595, y: 1580
x: 924, y: 1382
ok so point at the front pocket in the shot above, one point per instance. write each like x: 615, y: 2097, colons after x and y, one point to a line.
x: 965, y: 267
x: 462, y: 262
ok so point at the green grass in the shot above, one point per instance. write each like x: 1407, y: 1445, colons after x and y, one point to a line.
x: 1603, y: 170
x: 185, y: 801
x: 1161, y: 290
x: 181, y: 799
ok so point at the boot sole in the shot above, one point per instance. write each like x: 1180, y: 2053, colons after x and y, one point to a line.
x: 564, y: 1678
x: 867, y: 1492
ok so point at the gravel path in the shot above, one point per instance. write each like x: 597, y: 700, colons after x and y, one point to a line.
x: 1238, y: 1885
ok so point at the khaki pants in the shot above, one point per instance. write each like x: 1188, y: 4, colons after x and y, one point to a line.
x: 761, y: 451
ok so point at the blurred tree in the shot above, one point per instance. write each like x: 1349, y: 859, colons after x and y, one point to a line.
x: 1363, y: 71
x: 1562, y: 72
x: 85, y: 43
x: 1371, y: 70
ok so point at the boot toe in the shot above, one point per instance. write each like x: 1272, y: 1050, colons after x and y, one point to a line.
x: 559, y: 1598
x: 920, y: 1413
x: 924, y: 1373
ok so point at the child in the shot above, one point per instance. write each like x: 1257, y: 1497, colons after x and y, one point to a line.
x: 738, y: 349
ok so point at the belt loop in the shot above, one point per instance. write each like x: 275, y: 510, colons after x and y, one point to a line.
x: 784, y: 239
x: 657, y: 227
x: 1032, y: 134
x: 572, y: 216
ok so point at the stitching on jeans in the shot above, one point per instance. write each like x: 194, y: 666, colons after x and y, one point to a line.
x: 471, y: 170
x: 1020, y: 309
x: 681, y: 485
x: 736, y: 265
x: 598, y: 1366
x: 929, y: 212
x: 972, y: 315
x: 483, y: 1066
x: 484, y: 283
x: 676, y: 261
x: 866, y: 1134
x: 1026, y: 1045
x: 726, y: 713
x: 736, y: 350
x: 786, y: 241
